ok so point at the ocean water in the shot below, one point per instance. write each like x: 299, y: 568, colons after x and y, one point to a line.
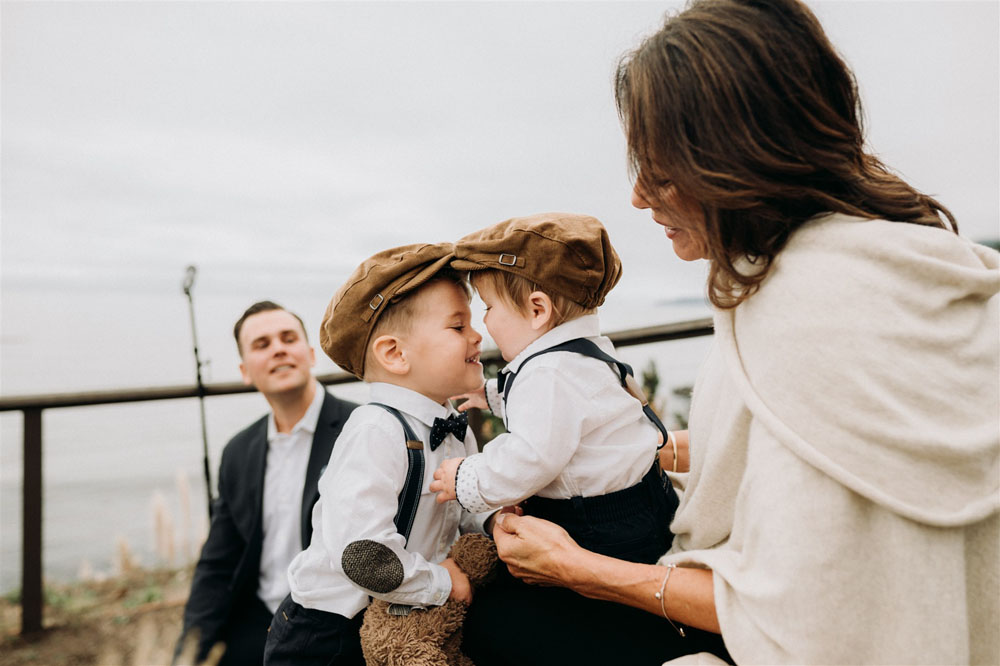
x: 132, y: 473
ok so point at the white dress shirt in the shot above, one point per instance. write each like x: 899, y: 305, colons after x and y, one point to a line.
x: 573, y: 430
x: 281, y: 508
x: 359, y: 495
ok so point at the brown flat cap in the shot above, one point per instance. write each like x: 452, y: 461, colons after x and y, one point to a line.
x: 378, y: 281
x: 566, y: 254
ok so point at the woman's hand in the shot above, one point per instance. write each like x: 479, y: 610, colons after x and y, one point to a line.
x: 515, y: 509
x: 542, y: 553
x: 535, y: 550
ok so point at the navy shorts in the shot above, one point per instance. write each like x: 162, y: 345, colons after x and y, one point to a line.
x: 307, y: 637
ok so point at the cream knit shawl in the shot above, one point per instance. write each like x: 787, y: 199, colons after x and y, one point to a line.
x: 845, y: 435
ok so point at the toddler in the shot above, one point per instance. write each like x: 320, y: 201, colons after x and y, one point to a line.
x: 581, y: 447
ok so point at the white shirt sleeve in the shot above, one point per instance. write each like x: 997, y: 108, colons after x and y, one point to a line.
x: 493, y: 398
x: 474, y: 521
x: 547, y: 413
x: 359, y: 502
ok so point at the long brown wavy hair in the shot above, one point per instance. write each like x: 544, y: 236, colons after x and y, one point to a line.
x: 745, y: 107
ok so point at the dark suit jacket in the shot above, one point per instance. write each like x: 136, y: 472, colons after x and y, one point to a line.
x: 227, y: 572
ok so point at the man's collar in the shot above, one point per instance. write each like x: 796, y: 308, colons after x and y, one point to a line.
x: 587, y: 326
x: 407, y: 400
x: 308, y: 421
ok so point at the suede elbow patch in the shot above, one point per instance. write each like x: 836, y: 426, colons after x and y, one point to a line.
x: 372, y: 565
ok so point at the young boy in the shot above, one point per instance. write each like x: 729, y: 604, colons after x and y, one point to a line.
x: 580, y: 444
x: 402, y: 324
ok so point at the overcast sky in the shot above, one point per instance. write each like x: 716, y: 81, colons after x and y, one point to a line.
x: 276, y: 145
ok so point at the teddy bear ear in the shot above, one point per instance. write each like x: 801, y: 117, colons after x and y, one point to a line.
x: 476, y: 555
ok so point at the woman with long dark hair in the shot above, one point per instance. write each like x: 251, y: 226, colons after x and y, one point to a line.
x: 842, y: 502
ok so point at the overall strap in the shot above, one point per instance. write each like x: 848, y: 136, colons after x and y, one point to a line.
x: 409, y: 497
x: 589, y: 348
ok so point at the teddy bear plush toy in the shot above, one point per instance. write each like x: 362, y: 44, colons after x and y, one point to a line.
x: 396, y: 636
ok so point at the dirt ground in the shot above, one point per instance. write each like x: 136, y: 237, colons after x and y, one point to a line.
x: 132, y: 620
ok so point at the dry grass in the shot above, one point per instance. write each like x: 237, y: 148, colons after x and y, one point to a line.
x: 130, y: 619
x: 126, y: 621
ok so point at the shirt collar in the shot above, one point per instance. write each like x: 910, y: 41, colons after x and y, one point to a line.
x: 587, y: 326
x: 407, y: 400
x: 308, y: 421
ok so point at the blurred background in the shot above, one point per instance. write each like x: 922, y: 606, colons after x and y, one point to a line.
x: 276, y: 145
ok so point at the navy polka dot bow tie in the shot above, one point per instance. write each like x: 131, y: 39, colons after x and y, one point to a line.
x: 456, y: 424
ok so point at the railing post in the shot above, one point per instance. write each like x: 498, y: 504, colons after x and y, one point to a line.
x: 31, y: 528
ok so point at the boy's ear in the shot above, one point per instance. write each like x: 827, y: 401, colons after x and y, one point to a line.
x: 541, y: 312
x: 388, y: 353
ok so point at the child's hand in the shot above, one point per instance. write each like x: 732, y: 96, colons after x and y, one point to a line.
x: 461, y: 588
x: 475, y: 399
x: 444, y: 480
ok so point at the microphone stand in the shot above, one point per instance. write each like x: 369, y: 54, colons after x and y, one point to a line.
x: 188, y: 284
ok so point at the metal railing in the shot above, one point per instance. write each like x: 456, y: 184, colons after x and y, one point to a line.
x: 33, y: 405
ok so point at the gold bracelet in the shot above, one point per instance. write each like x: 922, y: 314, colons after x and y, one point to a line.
x: 673, y: 445
x: 661, y: 595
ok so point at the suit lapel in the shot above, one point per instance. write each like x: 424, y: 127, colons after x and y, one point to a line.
x: 258, y: 463
x: 327, y: 428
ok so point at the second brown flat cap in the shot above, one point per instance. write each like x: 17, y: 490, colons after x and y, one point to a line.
x: 564, y: 253
x: 381, y: 279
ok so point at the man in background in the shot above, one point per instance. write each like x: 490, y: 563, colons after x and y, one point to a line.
x: 267, y: 488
